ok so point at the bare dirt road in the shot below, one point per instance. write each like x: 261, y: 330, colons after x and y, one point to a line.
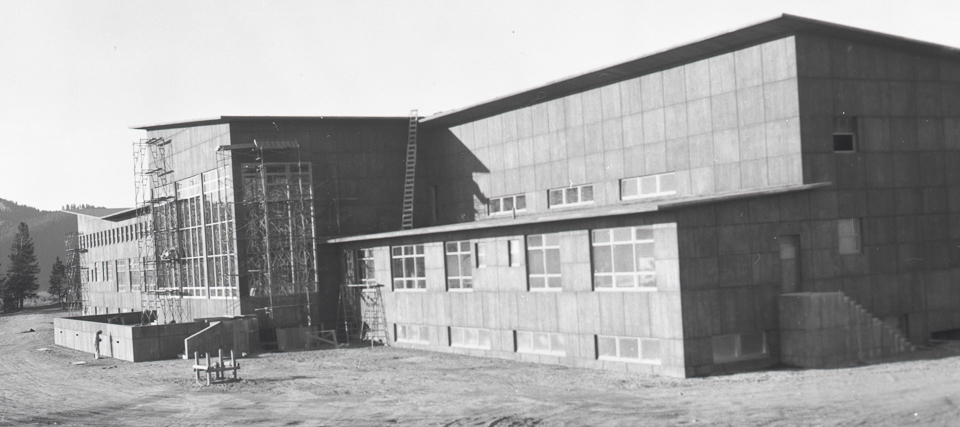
x: 388, y: 386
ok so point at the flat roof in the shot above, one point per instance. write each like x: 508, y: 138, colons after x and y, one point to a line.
x: 778, y: 27
x: 97, y: 212
x: 228, y: 119
x: 569, y: 215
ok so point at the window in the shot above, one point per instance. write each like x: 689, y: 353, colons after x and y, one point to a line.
x: 648, y: 186
x: 469, y: 338
x: 459, y: 266
x: 507, y: 204
x: 408, y: 267
x: 366, y: 270
x: 417, y: 334
x: 849, y: 232
x: 123, y: 275
x: 628, y: 349
x: 540, y: 343
x: 730, y: 348
x: 571, y: 196
x: 481, y: 250
x: 623, y: 258
x: 844, y: 134
x: 514, y: 252
x: 543, y: 251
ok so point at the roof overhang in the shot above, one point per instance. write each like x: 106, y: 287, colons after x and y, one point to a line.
x: 233, y: 119
x: 779, y: 27
x: 571, y: 215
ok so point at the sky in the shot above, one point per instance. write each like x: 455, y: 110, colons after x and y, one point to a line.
x: 75, y: 76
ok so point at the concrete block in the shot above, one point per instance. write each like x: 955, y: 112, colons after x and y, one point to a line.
x: 547, y: 314
x: 630, y: 96
x: 651, y: 88
x: 611, y: 313
x: 527, y: 312
x: 592, y: 106
x: 654, y: 156
x: 573, y: 110
x: 723, y: 109
x: 699, y: 116
x: 748, y: 66
x: 654, y: 126
x: 722, y: 74
x: 610, y: 102
x: 779, y: 59
x: 697, y: 79
x: 588, y: 347
x: 567, y: 314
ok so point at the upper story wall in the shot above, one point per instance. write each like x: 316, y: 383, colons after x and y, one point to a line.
x: 906, y: 106
x: 193, y: 150
x: 721, y: 124
x: 358, y: 167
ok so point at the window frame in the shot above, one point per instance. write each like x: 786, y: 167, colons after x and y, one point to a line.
x: 464, y: 282
x: 854, y: 225
x: 563, y: 196
x: 846, y: 126
x: 500, y: 203
x: 401, y: 334
x: 546, y: 248
x: 638, y: 272
x: 738, y: 347
x: 483, y: 337
x: 417, y: 279
x: 658, y: 178
x: 619, y: 357
x: 555, y: 341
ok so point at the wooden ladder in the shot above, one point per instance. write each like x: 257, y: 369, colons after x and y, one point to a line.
x: 407, y: 221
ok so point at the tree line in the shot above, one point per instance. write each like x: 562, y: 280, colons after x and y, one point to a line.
x: 21, y: 282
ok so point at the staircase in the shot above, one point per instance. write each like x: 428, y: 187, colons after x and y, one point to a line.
x: 829, y: 329
x: 407, y: 221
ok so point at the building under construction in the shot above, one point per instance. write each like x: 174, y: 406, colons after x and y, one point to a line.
x: 781, y: 193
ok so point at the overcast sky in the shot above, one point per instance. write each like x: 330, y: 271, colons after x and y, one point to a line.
x: 76, y: 75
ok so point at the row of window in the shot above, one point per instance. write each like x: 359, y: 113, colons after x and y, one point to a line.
x: 845, y: 132
x: 125, y: 233
x: 726, y: 348
x: 624, y: 349
x: 622, y: 258
x: 641, y: 187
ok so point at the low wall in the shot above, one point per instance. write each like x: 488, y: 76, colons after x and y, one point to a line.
x: 828, y: 329
x: 131, y: 342
x: 240, y: 334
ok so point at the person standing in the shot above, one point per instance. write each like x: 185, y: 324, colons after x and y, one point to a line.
x: 96, y: 345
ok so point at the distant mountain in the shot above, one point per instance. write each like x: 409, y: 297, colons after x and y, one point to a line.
x: 47, y: 229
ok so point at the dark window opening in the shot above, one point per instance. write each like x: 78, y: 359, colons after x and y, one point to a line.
x: 842, y: 142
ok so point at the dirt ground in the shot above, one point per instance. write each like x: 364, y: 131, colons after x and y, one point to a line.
x: 389, y: 386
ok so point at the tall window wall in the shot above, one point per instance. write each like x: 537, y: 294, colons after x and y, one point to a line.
x: 278, y: 227
x: 206, y: 236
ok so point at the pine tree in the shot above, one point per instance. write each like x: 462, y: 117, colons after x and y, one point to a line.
x: 58, y: 280
x: 22, y: 273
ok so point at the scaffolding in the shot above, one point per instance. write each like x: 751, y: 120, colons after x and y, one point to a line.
x: 360, y: 315
x: 158, y: 243
x: 277, y: 231
x: 75, y: 295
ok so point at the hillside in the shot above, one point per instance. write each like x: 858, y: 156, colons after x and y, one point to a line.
x: 47, y: 229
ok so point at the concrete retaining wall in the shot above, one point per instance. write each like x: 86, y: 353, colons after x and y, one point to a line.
x: 133, y: 343
x: 828, y: 329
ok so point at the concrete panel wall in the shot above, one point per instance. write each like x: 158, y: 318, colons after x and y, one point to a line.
x: 724, y: 123
x: 501, y: 301
x: 900, y: 181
